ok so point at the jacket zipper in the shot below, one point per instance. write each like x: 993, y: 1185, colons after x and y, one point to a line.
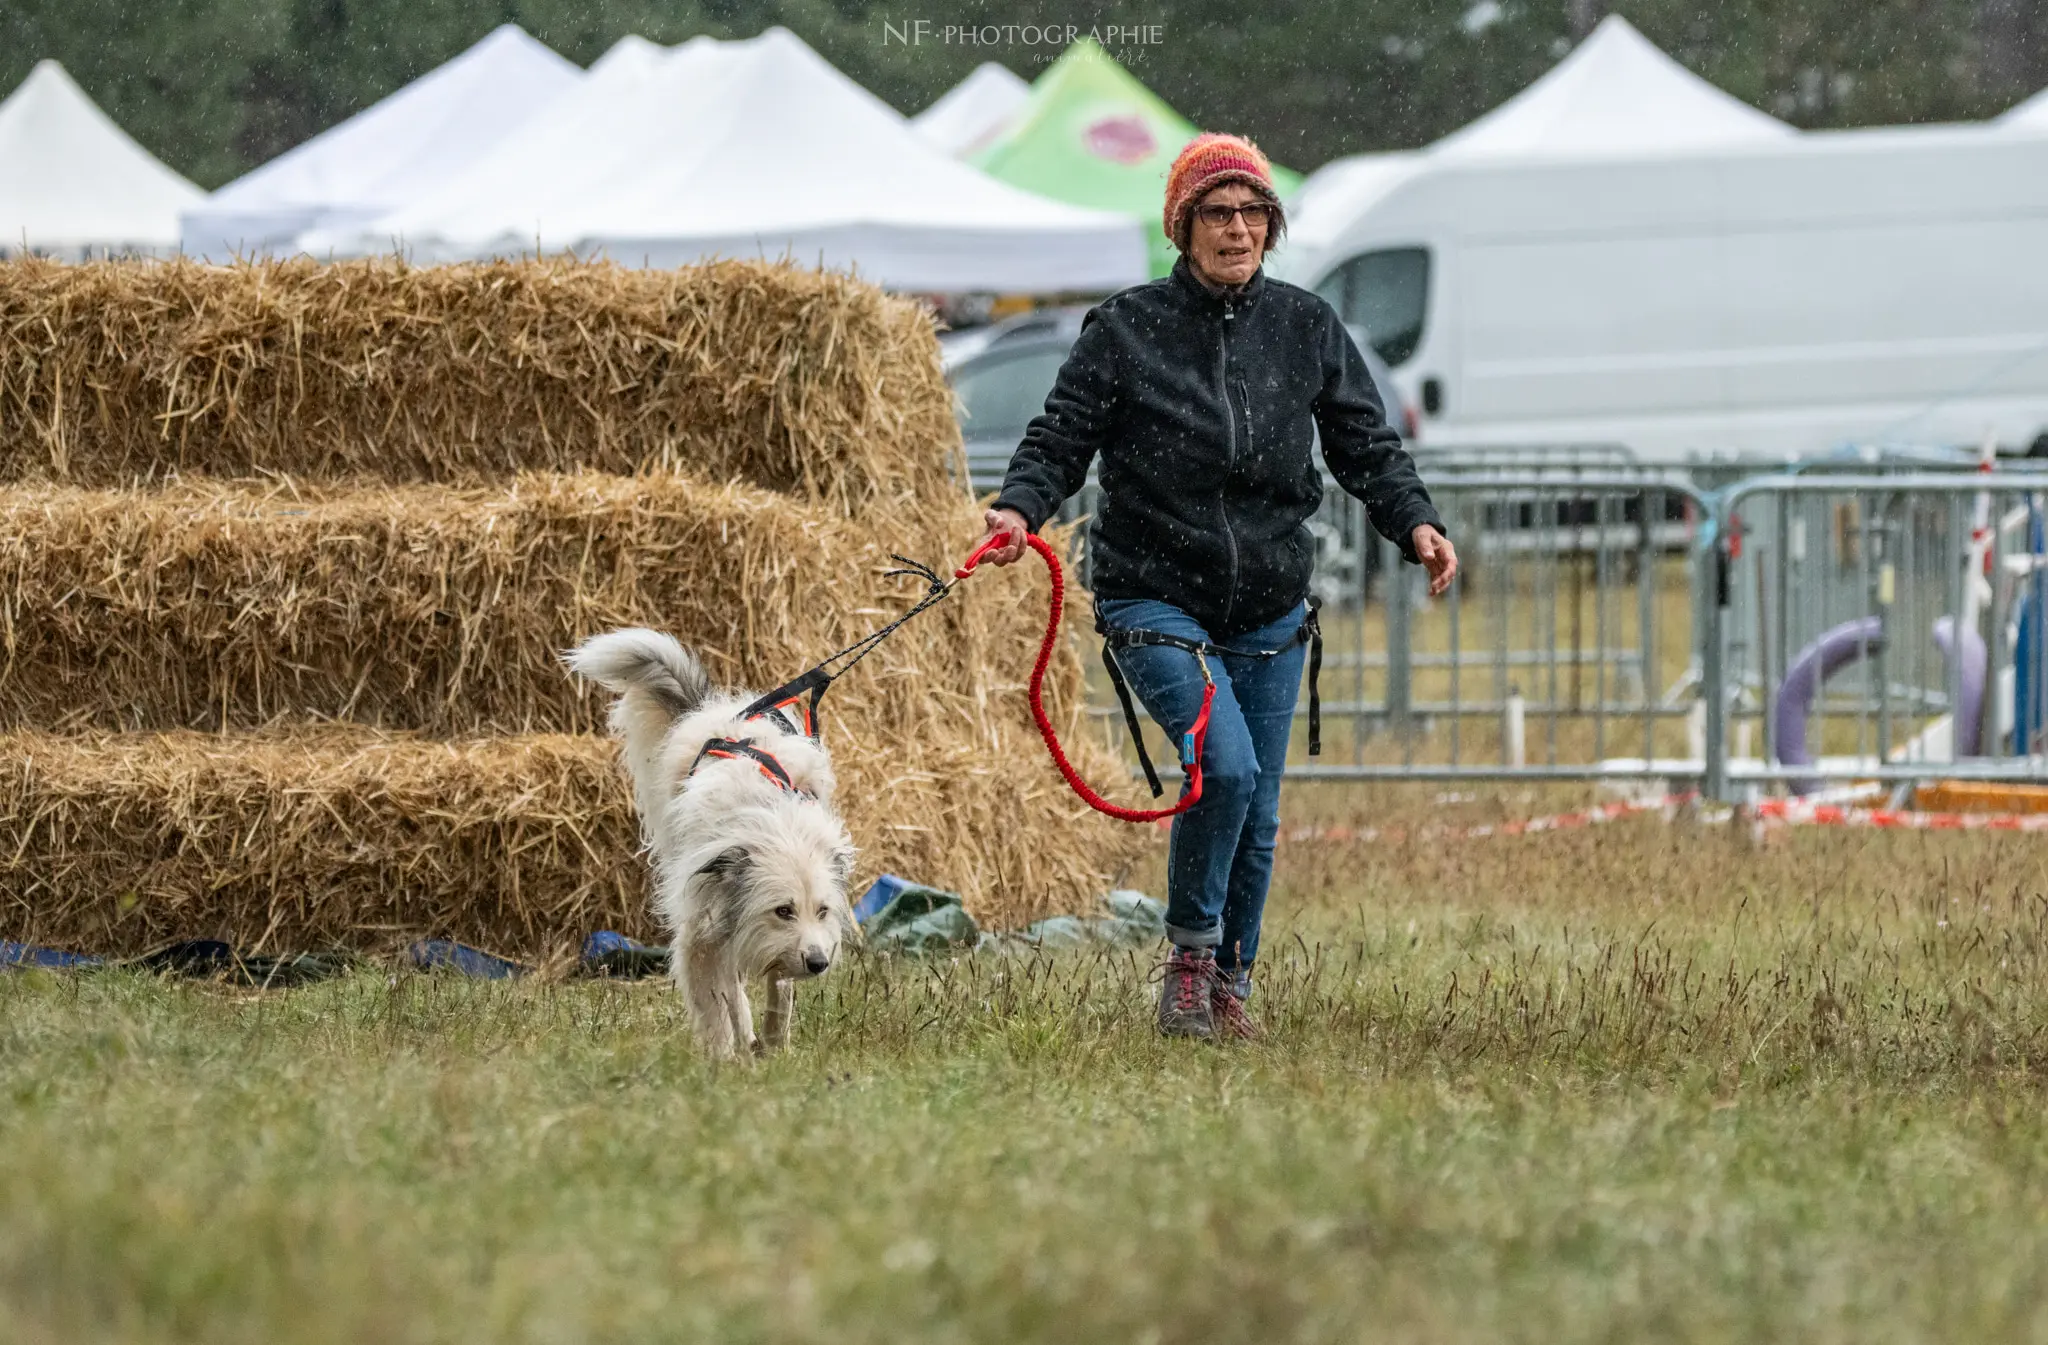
x: 1230, y: 462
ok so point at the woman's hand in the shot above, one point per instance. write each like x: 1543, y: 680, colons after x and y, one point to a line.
x: 1434, y: 550
x: 1009, y: 525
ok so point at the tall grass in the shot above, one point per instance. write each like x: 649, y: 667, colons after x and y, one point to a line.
x: 1637, y: 1083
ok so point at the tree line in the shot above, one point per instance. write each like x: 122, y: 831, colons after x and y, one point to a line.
x: 215, y: 87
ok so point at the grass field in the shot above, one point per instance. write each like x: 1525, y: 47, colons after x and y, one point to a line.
x: 1638, y: 1083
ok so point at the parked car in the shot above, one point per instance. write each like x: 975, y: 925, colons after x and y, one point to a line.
x: 1001, y: 374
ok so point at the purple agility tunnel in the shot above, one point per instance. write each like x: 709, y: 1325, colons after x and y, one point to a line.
x: 1969, y: 708
x: 1834, y: 650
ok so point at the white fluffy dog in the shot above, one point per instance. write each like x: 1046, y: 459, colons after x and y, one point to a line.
x: 751, y: 859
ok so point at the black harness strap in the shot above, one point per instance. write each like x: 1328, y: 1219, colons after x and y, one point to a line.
x: 1312, y: 629
x: 809, y: 688
x: 744, y: 749
x: 1310, y: 633
x: 1123, y: 697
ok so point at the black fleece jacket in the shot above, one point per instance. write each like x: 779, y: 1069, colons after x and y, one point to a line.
x: 1203, y: 407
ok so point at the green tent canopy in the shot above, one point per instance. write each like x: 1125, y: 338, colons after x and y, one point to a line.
x: 1093, y: 135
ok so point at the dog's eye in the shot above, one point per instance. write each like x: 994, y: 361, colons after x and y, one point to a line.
x: 785, y: 912
x: 824, y: 914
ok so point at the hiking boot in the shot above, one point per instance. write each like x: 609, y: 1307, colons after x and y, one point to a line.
x: 1227, y: 995
x: 1184, y: 993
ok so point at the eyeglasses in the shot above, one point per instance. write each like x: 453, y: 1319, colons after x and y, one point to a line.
x: 1257, y: 215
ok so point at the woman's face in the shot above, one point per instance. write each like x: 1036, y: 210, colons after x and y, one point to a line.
x: 1229, y: 253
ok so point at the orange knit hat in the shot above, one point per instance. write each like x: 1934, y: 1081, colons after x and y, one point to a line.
x: 1209, y: 161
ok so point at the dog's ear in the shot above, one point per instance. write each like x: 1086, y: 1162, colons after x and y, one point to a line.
x: 842, y: 866
x: 729, y: 862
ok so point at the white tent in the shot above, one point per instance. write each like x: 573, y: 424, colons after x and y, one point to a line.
x: 609, y: 128
x: 973, y: 112
x: 72, y: 182
x: 387, y: 154
x: 2031, y: 115
x: 1615, y: 96
x: 754, y: 148
x: 1616, y: 93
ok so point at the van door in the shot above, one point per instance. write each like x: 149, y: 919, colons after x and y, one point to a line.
x: 1387, y: 293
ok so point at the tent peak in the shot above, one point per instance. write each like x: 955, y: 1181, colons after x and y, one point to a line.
x: 630, y: 49
x: 72, y: 181
x: 2029, y: 114
x: 972, y: 113
x: 49, y: 73
x: 390, y: 152
x: 1614, y: 23
x: 1617, y: 92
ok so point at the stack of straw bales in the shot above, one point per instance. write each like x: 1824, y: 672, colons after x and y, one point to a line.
x: 287, y: 553
x: 801, y: 383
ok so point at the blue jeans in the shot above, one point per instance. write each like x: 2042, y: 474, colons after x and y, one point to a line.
x: 1220, y: 859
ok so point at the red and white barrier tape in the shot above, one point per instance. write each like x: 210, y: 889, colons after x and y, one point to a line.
x: 1790, y: 812
x: 1798, y: 812
x: 1606, y: 812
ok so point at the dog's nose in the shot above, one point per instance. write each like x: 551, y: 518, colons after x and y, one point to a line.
x: 815, y: 963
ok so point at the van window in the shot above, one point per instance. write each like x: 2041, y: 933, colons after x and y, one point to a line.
x: 1001, y: 394
x: 1387, y: 293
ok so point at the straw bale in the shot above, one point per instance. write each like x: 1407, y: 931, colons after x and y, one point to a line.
x: 212, y: 605
x: 463, y: 470
x: 802, y: 381
x: 255, y: 610
x: 312, y: 841
x: 348, y: 837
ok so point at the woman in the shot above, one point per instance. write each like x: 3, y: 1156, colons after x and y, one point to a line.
x: 1201, y: 392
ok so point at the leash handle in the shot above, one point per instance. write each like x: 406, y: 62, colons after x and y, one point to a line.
x: 979, y: 552
x: 1192, y: 741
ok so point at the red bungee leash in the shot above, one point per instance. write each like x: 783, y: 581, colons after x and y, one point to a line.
x: 1191, y: 742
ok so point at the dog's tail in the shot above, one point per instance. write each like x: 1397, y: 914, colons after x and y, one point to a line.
x: 647, y: 663
x: 658, y: 682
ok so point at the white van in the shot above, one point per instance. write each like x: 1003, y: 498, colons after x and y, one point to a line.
x: 1870, y: 288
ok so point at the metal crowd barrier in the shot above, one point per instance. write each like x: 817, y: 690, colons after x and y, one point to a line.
x: 1553, y: 654
x: 1692, y: 625
x: 1877, y: 626
x: 1557, y: 652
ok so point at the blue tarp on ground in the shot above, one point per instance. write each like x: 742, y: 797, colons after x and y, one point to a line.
x: 204, y: 958
x: 896, y: 916
x: 26, y: 955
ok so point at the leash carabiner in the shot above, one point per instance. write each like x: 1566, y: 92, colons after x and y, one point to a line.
x: 1190, y: 742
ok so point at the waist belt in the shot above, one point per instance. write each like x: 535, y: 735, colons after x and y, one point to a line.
x: 1311, y: 634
